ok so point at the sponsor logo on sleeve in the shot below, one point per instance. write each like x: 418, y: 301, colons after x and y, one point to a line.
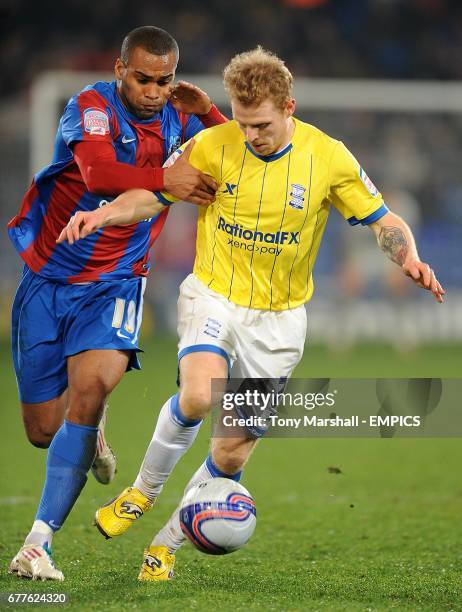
x: 96, y: 122
x: 173, y: 144
x: 172, y: 159
x: 371, y: 188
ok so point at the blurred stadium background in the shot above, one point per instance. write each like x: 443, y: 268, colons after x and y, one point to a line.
x: 379, y: 74
x: 383, y: 75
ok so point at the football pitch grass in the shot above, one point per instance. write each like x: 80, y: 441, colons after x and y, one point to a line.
x: 381, y: 532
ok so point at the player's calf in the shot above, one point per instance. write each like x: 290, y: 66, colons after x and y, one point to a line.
x: 173, y: 435
x: 230, y: 455
x: 197, y: 370
x: 72, y: 450
x: 43, y: 419
x: 39, y: 437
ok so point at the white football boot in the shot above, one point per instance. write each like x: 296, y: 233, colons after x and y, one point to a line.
x: 35, y: 562
x: 104, y: 466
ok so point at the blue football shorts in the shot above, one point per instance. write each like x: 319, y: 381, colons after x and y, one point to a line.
x: 52, y: 321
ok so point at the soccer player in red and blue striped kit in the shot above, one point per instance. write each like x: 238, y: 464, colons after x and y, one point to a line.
x: 77, y: 311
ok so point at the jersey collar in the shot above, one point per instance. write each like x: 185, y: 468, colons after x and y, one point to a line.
x: 273, y: 156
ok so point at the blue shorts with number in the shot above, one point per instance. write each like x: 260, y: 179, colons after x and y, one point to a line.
x: 52, y: 321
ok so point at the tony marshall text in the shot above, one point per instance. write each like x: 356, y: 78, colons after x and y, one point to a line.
x: 314, y: 421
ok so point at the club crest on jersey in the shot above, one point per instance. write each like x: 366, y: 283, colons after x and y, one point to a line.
x: 371, y: 188
x: 212, y: 327
x: 95, y: 122
x: 297, y: 195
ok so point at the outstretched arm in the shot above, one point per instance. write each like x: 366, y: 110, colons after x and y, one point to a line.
x: 130, y: 207
x: 397, y: 242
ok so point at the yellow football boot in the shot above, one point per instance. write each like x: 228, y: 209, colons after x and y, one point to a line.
x: 157, y: 564
x: 114, y: 518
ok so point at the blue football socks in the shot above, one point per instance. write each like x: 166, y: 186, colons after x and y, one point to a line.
x: 70, y: 456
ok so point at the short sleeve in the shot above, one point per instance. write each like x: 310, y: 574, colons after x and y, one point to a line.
x: 351, y: 191
x: 87, y: 118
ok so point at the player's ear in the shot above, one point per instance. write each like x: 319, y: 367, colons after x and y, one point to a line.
x: 290, y: 107
x: 119, y: 69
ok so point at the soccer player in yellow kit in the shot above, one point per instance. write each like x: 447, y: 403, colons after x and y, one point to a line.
x: 242, y: 309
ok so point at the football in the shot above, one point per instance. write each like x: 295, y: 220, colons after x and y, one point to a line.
x: 218, y: 516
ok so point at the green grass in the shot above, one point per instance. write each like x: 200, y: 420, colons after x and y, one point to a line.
x: 382, y: 535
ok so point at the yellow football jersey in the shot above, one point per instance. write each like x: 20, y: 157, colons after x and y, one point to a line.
x: 257, y: 243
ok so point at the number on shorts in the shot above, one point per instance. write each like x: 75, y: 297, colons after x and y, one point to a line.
x: 131, y: 316
x: 119, y: 312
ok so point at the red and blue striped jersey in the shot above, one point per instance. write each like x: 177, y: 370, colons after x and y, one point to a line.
x: 58, y: 191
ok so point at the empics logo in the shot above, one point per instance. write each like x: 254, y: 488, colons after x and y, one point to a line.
x: 255, y: 238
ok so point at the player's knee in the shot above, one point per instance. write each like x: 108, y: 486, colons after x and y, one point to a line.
x: 86, y: 401
x: 94, y: 386
x: 195, y: 403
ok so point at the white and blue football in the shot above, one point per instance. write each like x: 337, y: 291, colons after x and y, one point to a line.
x: 218, y: 516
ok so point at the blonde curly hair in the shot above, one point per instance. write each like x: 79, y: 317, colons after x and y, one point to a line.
x: 254, y: 76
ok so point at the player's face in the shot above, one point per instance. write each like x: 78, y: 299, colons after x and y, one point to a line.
x: 266, y: 128
x: 145, y: 81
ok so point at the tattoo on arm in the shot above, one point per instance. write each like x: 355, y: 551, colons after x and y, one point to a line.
x: 393, y: 242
